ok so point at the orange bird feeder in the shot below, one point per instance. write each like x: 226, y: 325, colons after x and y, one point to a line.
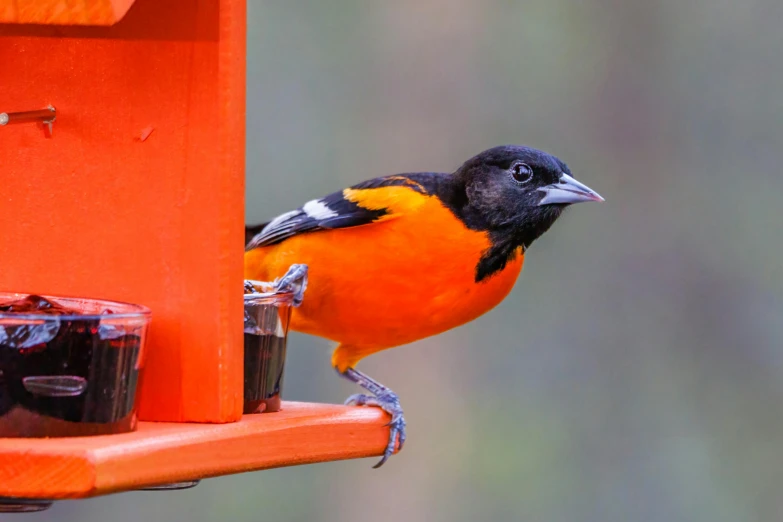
x: 122, y: 137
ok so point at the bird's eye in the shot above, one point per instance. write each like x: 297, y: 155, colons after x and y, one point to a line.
x: 521, y: 173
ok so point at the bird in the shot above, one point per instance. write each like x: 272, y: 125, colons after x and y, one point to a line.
x: 403, y: 257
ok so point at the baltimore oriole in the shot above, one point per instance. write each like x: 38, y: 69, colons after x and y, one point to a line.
x: 399, y: 258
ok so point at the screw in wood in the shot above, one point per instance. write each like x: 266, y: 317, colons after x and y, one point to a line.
x: 47, y: 115
x: 44, y: 116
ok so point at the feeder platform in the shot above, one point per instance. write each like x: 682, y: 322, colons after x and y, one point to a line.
x: 168, y: 452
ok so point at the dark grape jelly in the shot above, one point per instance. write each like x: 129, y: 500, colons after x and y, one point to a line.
x: 69, y: 366
x: 266, y: 332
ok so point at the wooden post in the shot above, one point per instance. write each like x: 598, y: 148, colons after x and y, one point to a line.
x: 138, y: 193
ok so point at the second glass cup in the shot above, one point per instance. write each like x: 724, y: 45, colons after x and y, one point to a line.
x: 267, y: 315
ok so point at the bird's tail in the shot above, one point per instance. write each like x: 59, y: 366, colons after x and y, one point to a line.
x: 252, y: 230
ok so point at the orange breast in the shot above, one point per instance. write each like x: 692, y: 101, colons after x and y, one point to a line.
x: 391, y: 282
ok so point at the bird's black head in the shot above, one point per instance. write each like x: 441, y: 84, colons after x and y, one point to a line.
x: 519, y: 192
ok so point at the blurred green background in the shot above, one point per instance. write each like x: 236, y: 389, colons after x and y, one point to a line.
x: 635, y: 373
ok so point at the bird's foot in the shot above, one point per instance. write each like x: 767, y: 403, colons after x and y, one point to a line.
x: 390, y: 403
x: 384, y: 399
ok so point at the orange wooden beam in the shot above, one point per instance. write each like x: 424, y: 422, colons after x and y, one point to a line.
x: 158, y: 453
x: 106, y: 208
x: 57, y: 12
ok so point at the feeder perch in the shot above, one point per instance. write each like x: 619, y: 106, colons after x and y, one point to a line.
x: 106, y: 208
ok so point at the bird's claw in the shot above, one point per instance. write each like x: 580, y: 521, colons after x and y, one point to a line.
x: 390, y: 403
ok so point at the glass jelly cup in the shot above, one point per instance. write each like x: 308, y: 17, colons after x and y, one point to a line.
x: 268, y: 309
x: 69, y: 366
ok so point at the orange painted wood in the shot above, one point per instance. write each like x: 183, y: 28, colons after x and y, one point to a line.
x: 97, y: 211
x: 64, y: 12
x: 301, y: 433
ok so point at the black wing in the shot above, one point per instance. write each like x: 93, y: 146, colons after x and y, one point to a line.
x: 330, y: 212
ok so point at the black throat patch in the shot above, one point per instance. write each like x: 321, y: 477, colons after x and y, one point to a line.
x: 496, y: 258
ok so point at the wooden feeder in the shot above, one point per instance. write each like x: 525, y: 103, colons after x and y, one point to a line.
x: 123, y: 149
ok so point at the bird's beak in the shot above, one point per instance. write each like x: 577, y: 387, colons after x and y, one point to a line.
x: 566, y: 191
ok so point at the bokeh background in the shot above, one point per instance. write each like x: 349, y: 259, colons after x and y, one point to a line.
x: 635, y: 373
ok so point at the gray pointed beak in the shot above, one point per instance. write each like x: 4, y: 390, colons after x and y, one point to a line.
x: 566, y: 191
